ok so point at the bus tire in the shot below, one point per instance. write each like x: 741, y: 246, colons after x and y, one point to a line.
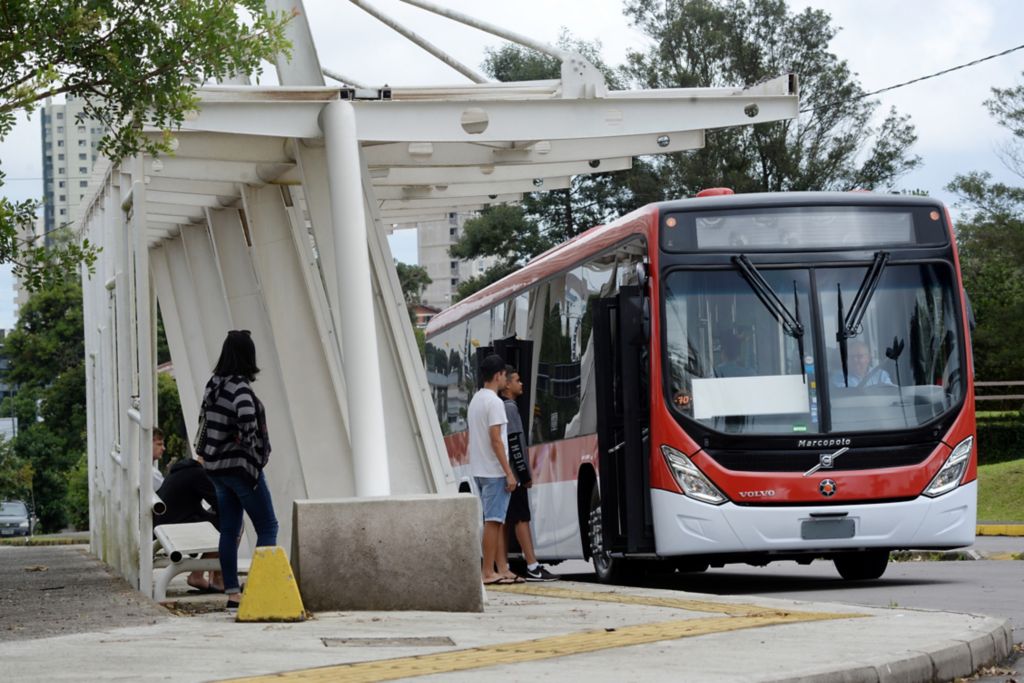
x: 608, y: 569
x: 865, y: 565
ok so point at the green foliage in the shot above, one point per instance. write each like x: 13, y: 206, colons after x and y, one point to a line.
x: 47, y: 369
x: 724, y: 43
x: 163, y: 352
x: 37, y: 444
x: 132, y: 62
x: 76, y: 501
x: 15, y: 474
x: 171, y: 420
x: 1000, y: 438
x: 999, y: 487
x: 478, y: 282
x: 990, y: 235
x: 48, y: 338
x: 705, y: 43
x: 414, y: 280
x: 514, y: 234
x: 421, y: 341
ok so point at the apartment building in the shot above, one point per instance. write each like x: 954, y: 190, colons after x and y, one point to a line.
x: 433, y: 241
x: 69, y: 150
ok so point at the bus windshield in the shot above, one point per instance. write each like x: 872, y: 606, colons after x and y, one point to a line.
x: 733, y: 368
x: 903, y: 365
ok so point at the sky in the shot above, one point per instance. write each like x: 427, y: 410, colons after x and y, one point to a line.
x: 884, y: 43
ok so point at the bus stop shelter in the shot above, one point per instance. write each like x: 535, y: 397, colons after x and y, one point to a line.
x: 272, y: 214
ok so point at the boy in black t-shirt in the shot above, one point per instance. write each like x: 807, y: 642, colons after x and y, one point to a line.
x: 518, y: 516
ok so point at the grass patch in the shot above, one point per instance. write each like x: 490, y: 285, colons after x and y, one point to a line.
x: 38, y: 540
x: 999, y: 491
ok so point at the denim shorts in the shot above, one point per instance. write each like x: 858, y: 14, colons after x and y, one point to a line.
x: 493, y: 498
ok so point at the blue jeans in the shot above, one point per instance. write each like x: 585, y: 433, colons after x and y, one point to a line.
x: 234, y: 496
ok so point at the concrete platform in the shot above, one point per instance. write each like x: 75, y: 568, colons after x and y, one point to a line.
x: 571, y: 631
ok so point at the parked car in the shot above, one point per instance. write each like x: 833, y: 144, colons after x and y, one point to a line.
x: 15, y: 519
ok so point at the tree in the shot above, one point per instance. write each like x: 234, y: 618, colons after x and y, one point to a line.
x: 170, y: 419
x: 832, y: 146
x: 131, y: 62
x: 513, y: 234
x: 990, y: 236
x: 414, y: 279
x: 705, y: 43
x: 15, y: 474
x: 47, y: 366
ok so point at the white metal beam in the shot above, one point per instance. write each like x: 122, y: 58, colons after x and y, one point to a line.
x: 452, y: 203
x: 472, y: 189
x: 491, y: 173
x: 184, y: 185
x: 398, y: 121
x: 204, y: 170
x: 542, y: 151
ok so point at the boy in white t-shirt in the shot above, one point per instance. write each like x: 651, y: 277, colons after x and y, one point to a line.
x: 488, y: 462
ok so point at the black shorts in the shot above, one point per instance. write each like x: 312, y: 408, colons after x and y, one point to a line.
x: 518, y: 506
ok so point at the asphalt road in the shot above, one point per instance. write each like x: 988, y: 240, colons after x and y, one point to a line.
x: 989, y: 587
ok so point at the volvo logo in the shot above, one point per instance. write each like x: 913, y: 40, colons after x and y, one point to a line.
x: 827, y: 487
x: 823, y: 443
x: 826, y: 461
x: 764, y: 493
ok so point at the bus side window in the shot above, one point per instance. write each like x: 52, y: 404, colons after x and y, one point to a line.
x: 446, y: 376
x: 596, y: 281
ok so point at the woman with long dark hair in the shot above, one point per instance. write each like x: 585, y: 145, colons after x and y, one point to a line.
x: 234, y: 451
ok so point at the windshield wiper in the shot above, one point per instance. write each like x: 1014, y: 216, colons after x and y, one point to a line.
x: 791, y: 324
x: 850, y: 324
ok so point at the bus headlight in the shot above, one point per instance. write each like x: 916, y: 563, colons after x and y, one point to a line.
x: 948, y: 478
x: 691, y: 480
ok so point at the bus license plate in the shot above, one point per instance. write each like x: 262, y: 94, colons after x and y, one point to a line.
x: 817, y: 529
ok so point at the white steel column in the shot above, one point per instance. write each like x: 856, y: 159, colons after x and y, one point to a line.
x: 358, y: 327
x: 143, y: 330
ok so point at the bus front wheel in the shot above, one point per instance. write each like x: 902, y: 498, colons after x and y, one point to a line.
x: 862, y: 566
x: 607, y: 568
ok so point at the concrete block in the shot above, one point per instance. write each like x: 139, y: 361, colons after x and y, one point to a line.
x: 983, y: 651
x: 395, y: 553
x: 1003, y: 638
x: 915, y: 667
x: 950, y: 660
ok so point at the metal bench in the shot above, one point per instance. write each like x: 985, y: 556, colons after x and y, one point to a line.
x: 178, y: 549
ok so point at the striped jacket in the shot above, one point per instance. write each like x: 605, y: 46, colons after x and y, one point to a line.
x: 236, y: 429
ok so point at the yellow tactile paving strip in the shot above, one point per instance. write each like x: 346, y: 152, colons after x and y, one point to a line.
x: 741, y: 617
x: 731, y: 609
x: 1000, y: 530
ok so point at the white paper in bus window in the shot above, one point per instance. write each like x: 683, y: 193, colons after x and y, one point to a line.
x: 760, y: 395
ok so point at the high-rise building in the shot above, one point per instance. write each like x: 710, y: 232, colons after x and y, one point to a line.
x: 69, y: 150
x: 433, y: 241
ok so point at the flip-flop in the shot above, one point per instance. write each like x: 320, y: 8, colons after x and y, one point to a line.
x: 198, y: 590
x: 500, y: 581
x: 514, y: 579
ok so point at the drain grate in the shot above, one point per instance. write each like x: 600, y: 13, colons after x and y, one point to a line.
x: 424, y: 641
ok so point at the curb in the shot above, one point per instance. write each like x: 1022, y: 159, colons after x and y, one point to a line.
x: 959, y: 657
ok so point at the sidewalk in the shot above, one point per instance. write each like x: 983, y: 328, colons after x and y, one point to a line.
x: 527, y: 632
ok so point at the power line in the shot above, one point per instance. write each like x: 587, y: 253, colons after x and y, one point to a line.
x: 916, y: 80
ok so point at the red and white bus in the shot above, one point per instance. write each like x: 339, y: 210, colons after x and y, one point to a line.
x: 735, y: 379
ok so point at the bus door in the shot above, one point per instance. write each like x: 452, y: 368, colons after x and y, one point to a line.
x: 519, y: 354
x: 620, y: 343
